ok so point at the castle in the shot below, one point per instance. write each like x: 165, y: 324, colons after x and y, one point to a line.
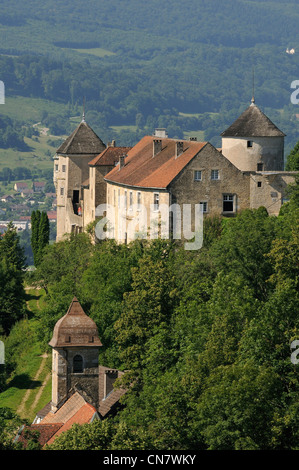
x: 247, y: 172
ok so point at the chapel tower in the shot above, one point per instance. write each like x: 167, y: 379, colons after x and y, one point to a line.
x: 75, y: 357
x: 253, y: 142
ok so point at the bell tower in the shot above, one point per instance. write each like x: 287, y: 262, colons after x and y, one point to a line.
x: 75, y: 357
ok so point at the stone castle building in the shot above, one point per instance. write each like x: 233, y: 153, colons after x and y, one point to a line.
x: 247, y: 172
x: 82, y: 390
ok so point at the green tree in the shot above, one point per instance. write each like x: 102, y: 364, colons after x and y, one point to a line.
x: 293, y: 159
x: 12, y: 264
x: 40, y: 234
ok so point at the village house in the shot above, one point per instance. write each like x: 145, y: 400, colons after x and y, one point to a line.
x: 136, y: 183
x: 38, y: 186
x: 19, y: 187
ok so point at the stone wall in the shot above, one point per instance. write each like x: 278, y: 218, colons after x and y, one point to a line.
x: 246, y: 152
x: 231, y: 181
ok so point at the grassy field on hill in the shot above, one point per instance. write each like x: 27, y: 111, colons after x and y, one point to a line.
x: 29, y: 387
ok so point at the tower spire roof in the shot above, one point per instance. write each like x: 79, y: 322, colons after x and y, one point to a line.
x: 75, y: 328
x: 253, y: 123
x: 82, y: 141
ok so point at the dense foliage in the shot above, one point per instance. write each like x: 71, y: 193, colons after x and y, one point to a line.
x: 186, y: 67
x: 205, y: 336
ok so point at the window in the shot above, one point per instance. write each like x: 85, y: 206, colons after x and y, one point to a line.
x: 260, y: 167
x: 249, y: 143
x: 215, y: 175
x: 156, y: 201
x: 197, y: 175
x: 139, y: 200
x: 76, y: 196
x: 63, y: 168
x: 61, y: 191
x: 259, y: 184
x: 126, y: 201
x: 131, y: 201
x: 56, y: 167
x: 78, y: 364
x: 204, y: 206
x: 228, y: 203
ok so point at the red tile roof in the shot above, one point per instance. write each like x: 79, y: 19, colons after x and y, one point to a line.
x: 46, y: 432
x: 109, y: 156
x: 82, y: 416
x: 142, y: 169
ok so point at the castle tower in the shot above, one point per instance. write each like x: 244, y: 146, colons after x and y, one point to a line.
x: 71, y: 175
x: 253, y: 142
x: 75, y: 363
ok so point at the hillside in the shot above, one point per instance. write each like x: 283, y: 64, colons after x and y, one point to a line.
x: 151, y: 64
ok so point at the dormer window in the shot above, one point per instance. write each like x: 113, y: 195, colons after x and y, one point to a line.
x: 249, y: 144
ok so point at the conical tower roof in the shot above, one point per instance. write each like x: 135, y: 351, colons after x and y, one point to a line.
x: 253, y: 123
x: 82, y: 141
x: 75, y: 328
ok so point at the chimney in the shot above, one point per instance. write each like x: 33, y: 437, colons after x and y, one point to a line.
x: 160, y: 132
x: 121, y: 161
x: 179, y: 148
x: 111, y: 144
x: 157, y: 146
x: 194, y: 139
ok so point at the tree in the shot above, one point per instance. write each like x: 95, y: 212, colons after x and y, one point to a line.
x: 12, y: 264
x: 293, y: 159
x: 40, y: 234
x: 147, y: 311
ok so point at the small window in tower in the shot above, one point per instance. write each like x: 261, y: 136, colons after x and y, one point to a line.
x: 78, y: 364
x: 260, y: 167
x: 63, y: 168
x: 259, y: 184
x: 249, y: 144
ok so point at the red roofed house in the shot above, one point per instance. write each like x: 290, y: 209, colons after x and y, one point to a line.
x: 82, y: 391
x: 38, y: 186
x: 19, y: 187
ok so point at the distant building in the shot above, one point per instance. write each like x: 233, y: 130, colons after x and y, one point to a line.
x: 38, y: 186
x: 26, y: 192
x: 19, y: 187
x: 52, y: 216
x: 6, y: 198
x: 20, y: 225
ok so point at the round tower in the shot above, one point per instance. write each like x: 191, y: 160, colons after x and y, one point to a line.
x: 75, y: 357
x: 253, y: 142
